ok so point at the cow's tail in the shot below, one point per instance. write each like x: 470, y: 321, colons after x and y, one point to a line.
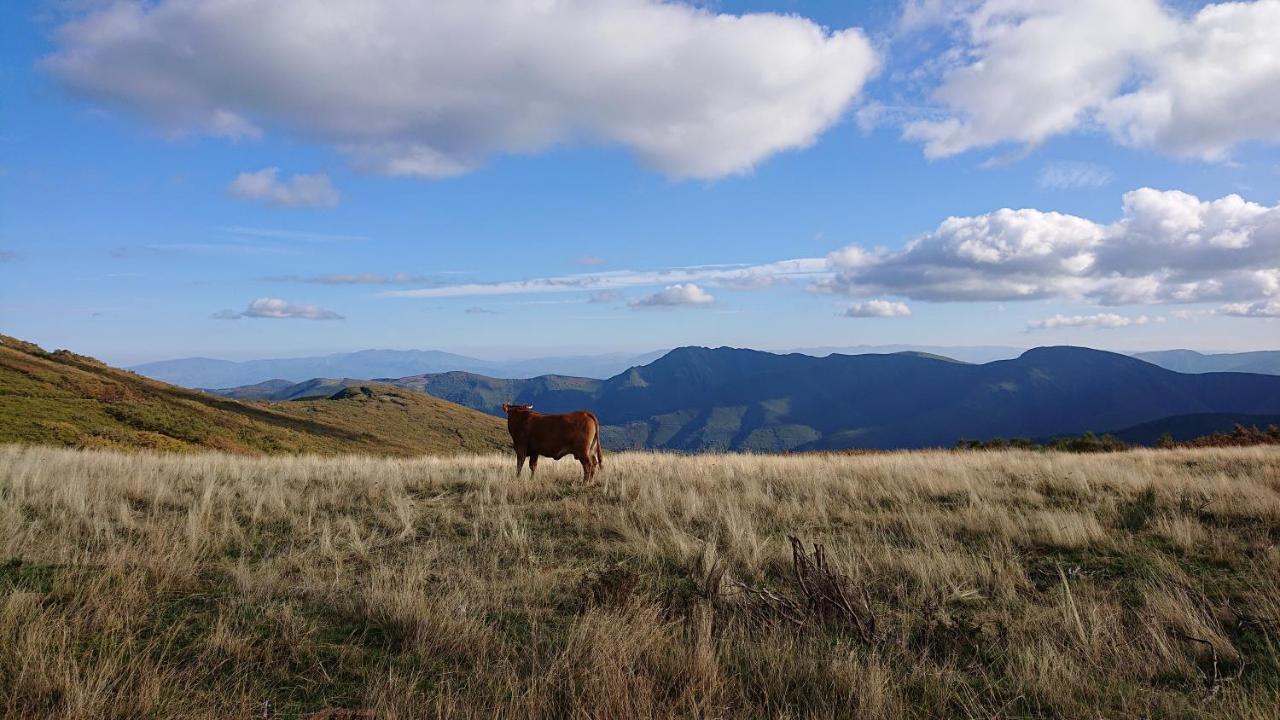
x: 595, y: 442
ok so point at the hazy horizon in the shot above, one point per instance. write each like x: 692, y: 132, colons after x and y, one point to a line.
x: 518, y: 356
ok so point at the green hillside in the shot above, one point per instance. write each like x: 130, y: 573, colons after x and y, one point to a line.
x: 557, y: 392
x: 61, y: 398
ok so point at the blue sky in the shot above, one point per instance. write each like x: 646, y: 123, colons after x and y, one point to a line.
x: 140, y: 220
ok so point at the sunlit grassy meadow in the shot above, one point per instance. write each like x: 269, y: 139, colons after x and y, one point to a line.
x: 979, y: 584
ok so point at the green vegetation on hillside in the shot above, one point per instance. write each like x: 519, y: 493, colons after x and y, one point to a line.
x: 60, y: 398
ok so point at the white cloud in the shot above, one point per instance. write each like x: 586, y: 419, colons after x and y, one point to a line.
x: 433, y: 89
x: 877, y: 309
x: 601, y: 297
x: 1261, y: 309
x: 1067, y: 175
x: 264, y: 186
x: 1032, y: 69
x: 1169, y: 247
x: 675, y: 296
x: 1101, y: 320
x: 590, y: 260
x: 737, y: 276
x: 278, y: 309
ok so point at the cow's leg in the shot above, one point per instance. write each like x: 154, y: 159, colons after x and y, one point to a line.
x: 533, y: 464
x: 588, y: 467
x: 519, y: 461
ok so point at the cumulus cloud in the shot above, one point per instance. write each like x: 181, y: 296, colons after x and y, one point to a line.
x: 1101, y: 320
x: 278, y: 309
x: 736, y: 276
x: 675, y: 296
x: 1027, y: 70
x: 1169, y: 247
x: 1067, y: 175
x: 877, y: 309
x: 265, y: 186
x: 434, y: 89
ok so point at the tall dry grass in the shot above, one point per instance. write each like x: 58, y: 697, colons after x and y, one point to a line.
x: 1140, y: 584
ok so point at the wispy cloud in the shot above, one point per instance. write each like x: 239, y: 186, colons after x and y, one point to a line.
x: 722, y: 275
x: 357, y: 279
x: 1101, y: 320
x: 8, y: 256
x: 590, y: 260
x: 218, y: 248
x: 601, y: 297
x: 1067, y: 175
x: 266, y: 187
x: 480, y: 311
x: 277, y: 309
x: 293, y: 235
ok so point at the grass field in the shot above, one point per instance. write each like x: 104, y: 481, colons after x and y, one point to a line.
x: 977, y: 584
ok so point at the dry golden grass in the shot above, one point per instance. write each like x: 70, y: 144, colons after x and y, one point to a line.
x: 1140, y: 584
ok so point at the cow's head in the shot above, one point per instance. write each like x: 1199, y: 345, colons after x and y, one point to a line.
x: 510, y: 408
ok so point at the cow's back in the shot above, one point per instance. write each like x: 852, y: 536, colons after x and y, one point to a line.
x: 563, y: 434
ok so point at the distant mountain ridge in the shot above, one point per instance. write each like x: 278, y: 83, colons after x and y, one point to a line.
x: 374, y: 364
x: 371, y: 364
x: 964, y: 353
x: 1266, y: 362
x: 704, y: 399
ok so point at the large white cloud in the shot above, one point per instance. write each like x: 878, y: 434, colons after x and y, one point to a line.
x: 1031, y: 69
x: 434, y: 88
x: 1169, y: 247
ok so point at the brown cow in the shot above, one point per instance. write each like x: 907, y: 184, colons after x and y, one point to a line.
x: 554, y: 436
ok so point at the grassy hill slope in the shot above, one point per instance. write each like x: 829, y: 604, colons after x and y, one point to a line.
x: 60, y: 398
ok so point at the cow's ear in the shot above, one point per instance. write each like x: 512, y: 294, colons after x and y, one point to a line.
x: 506, y: 407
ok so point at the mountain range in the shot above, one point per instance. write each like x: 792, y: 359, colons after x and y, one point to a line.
x: 703, y: 399
x: 367, y: 364
x: 370, y: 364
x: 1266, y: 362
